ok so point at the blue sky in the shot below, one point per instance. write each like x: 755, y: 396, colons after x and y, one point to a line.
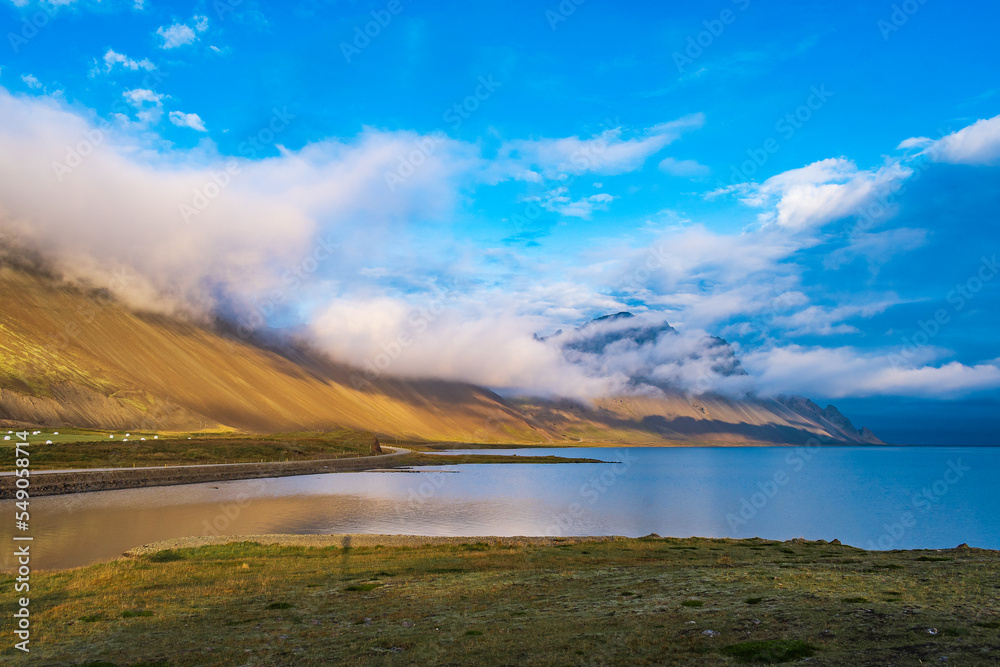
x: 705, y: 163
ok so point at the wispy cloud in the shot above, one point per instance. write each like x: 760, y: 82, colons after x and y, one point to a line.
x: 113, y: 59
x: 606, y: 153
x: 688, y: 168
x: 191, y: 120
x: 819, y: 193
x: 148, y: 104
x: 977, y: 144
x: 180, y: 34
x: 388, y: 273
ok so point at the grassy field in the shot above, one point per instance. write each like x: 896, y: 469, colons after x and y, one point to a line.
x: 647, y: 601
x: 82, y: 448
x: 75, y: 448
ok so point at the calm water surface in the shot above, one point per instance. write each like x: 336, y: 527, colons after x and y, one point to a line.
x: 871, y: 497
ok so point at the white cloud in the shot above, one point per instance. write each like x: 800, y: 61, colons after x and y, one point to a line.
x: 826, y: 321
x: 122, y: 209
x: 385, y: 258
x: 606, y: 153
x: 689, y: 168
x: 846, y: 371
x: 200, y: 23
x: 977, y: 144
x: 176, y: 35
x: 113, y: 58
x: 559, y: 201
x: 820, y: 193
x: 148, y: 104
x: 31, y: 81
x: 191, y: 120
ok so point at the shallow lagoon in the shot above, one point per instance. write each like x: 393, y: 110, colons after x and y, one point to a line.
x: 871, y: 497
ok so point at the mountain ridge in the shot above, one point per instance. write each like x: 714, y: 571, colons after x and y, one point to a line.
x: 71, y: 356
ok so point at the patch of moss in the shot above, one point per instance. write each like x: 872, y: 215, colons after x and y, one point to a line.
x: 770, y: 651
x: 166, y: 556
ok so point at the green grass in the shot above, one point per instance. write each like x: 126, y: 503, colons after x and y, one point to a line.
x: 601, y: 601
x: 74, y: 448
x: 82, y: 448
x: 362, y: 587
x: 770, y: 651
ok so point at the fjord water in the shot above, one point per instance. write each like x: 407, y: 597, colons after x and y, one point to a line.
x: 870, y: 497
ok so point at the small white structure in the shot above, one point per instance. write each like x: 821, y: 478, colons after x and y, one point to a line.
x: 124, y: 439
x: 6, y: 437
x: 112, y: 436
x: 143, y: 439
x: 56, y: 433
x: 156, y: 437
x: 127, y: 434
x: 48, y: 442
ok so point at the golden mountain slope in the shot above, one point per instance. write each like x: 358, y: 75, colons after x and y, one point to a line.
x: 69, y: 357
x: 72, y: 357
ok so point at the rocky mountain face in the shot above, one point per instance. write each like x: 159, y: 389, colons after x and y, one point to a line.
x: 73, y: 357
